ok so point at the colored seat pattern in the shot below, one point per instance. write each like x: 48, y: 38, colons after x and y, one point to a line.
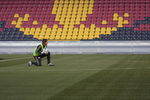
x: 75, y: 20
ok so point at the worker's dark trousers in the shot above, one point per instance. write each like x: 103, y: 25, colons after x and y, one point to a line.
x: 38, y: 59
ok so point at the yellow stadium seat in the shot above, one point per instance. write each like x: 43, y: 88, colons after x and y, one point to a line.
x: 74, y: 37
x: 104, y: 22
x: 81, y: 2
x: 52, y: 37
x: 115, y: 17
x: 96, y: 36
x: 53, y: 33
x: 68, y: 37
x: 90, y: 11
x: 82, y: 26
x: 14, y: 22
x: 53, y: 30
x: 36, y: 36
x: 57, y: 37
x: 108, y: 31
x: 77, y: 22
x: 61, y: 22
x: 22, y: 29
x: 37, y: 33
x: 83, y: 19
x: 76, y: 31
x: 64, y: 32
x: 58, y: 33
x: 75, y: 10
x: 62, y: 19
x: 79, y: 37
x: 32, y: 32
x: 33, y: 29
x: 26, y: 32
x: 90, y: 37
x: 92, y: 31
x: 25, y: 19
x: 47, y: 33
x: 48, y: 30
x: 46, y: 37
x: 42, y: 33
x: 20, y: 19
x: 16, y: 15
x: 19, y: 22
x: 63, y: 37
x: 92, y: 26
x: 91, y: 1
x: 60, y: 30
x: 85, y: 36
x: 43, y: 29
x: 120, y: 25
x: 103, y: 29
x: 55, y: 26
x: 76, y: 1
x: 120, y: 19
x: 97, y: 31
x: 44, y: 26
x: 27, y: 29
x: 37, y: 30
x: 86, y: 1
x: 41, y: 37
x: 81, y: 31
x: 114, y: 29
x: 87, y: 30
x: 18, y: 26
x: 27, y: 15
x: 126, y: 15
x: 86, y: 33
x: 126, y: 22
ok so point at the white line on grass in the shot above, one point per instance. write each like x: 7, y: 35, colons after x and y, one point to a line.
x: 14, y: 59
x: 71, y: 70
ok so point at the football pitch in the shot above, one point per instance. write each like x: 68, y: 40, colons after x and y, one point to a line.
x: 76, y: 77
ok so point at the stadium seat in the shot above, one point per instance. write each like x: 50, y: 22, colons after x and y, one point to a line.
x: 76, y: 20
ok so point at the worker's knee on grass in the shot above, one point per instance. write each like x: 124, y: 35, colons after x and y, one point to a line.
x: 39, y: 64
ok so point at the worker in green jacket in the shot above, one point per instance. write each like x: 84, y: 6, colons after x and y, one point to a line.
x: 40, y: 52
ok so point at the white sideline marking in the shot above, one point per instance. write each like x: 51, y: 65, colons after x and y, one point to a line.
x: 53, y: 70
x: 14, y: 59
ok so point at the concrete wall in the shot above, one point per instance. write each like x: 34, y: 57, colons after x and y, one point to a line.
x: 77, y: 47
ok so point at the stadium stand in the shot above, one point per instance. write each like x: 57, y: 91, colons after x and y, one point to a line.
x: 74, y: 20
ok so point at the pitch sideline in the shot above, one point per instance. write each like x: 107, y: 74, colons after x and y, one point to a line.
x: 14, y: 59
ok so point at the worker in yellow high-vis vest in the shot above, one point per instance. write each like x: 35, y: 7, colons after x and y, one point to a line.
x: 39, y: 52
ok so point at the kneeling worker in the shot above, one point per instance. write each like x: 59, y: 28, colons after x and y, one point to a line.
x: 40, y: 52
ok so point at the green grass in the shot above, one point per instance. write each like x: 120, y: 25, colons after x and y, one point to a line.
x: 76, y: 77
